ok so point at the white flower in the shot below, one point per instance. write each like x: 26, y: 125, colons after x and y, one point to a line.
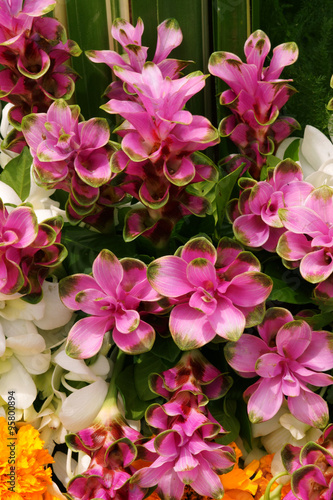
x: 5, y: 128
x: 315, y: 156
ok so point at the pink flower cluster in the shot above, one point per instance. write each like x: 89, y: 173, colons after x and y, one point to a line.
x: 311, y: 468
x: 28, y: 251
x: 288, y: 357
x: 114, y: 297
x: 112, y: 450
x: 256, y: 214
x: 70, y: 155
x: 255, y: 97
x: 185, y: 431
x: 159, y: 136
x: 33, y: 52
x: 216, y: 292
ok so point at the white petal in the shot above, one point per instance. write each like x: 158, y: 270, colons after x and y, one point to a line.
x: 27, y: 345
x: 59, y: 467
x: 2, y: 341
x: 318, y: 179
x: 18, y: 328
x: 76, y: 366
x: 264, y: 428
x: 296, y: 428
x: 277, y: 467
x: 56, y: 314
x: 81, y: 408
x: 18, y: 309
x: 101, y: 367
x: 36, y: 364
x: 315, y: 147
x: 19, y: 381
x: 8, y: 195
x: 276, y: 440
x: 5, y: 127
x: 279, y: 153
x: 255, y: 454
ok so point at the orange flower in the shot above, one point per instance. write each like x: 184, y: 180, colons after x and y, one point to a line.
x: 24, y: 474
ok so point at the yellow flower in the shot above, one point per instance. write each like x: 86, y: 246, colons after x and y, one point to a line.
x: 24, y: 474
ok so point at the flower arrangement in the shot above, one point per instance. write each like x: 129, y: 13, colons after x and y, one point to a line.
x: 165, y: 322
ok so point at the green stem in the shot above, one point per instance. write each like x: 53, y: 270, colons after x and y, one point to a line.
x: 277, y: 491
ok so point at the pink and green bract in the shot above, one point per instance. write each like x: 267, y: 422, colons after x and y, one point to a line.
x: 159, y: 136
x: 185, y: 431
x: 308, y: 241
x: 288, y: 357
x: 255, y: 97
x: 311, y: 468
x: 111, y: 447
x: 216, y: 292
x: 33, y: 52
x: 114, y: 297
x: 70, y: 155
x: 255, y: 215
x: 28, y: 251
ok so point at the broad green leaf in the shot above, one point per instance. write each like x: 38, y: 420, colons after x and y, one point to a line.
x: 288, y: 285
x: 272, y: 161
x: 225, y: 413
x: 292, y: 150
x: 147, y: 363
x: 320, y: 321
x: 166, y: 349
x: 134, y: 407
x: 17, y: 174
x: 223, y: 192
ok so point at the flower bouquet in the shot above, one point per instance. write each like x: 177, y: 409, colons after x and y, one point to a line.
x: 165, y: 314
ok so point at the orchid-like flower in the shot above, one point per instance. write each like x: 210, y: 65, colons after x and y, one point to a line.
x: 288, y: 357
x: 33, y: 50
x: 28, y: 251
x: 114, y: 297
x: 308, y: 243
x: 311, y: 468
x: 255, y: 215
x: 185, y: 432
x: 255, y: 97
x: 70, y: 155
x: 216, y: 292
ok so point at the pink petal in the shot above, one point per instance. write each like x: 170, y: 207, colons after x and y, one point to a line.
x: 198, y: 248
x: 293, y: 339
x: 275, y: 318
x: 283, y: 55
x: 189, y: 327
x: 59, y: 112
x: 33, y: 129
x: 136, y: 342
x: 170, y: 486
x: 94, y: 133
x: 169, y: 36
x: 319, y: 354
x: 23, y: 222
x: 37, y: 8
x: 201, y: 273
x: 135, y: 147
x: 92, y: 301
x: 256, y: 48
x: 307, y: 483
x: 317, y: 266
x: 179, y: 174
x: 266, y: 401
x: 227, y: 321
x: 86, y: 337
x: 168, y: 276
x: 269, y: 365
x: 107, y: 272
x: 207, y: 482
x: 47, y: 152
x: 251, y: 230
x: 243, y: 354
x: 95, y: 169
x: 70, y: 286
x: 202, y: 302
x: 285, y: 172
x: 296, y: 193
x: 227, y: 252
x: 108, y: 57
x: 321, y: 202
x: 302, y: 220
x: 249, y: 289
x: 292, y: 246
x: 309, y: 408
x: 260, y: 196
x: 126, y: 321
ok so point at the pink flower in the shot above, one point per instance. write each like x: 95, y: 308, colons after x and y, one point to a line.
x: 255, y: 97
x: 288, y: 357
x: 70, y: 155
x: 308, y: 241
x: 311, y: 468
x: 185, y: 431
x: 114, y: 297
x: 255, y: 216
x: 27, y: 251
x: 216, y: 292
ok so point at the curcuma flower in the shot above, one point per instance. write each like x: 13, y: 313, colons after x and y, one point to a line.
x: 288, y: 357
x: 255, y: 215
x: 255, y: 97
x: 308, y: 240
x: 114, y: 297
x: 216, y: 292
x: 311, y: 468
x: 70, y: 155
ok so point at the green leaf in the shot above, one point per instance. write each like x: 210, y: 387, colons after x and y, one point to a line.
x: 292, y: 150
x: 17, y: 174
x: 134, y: 407
x: 223, y: 192
x: 225, y: 413
x: 272, y: 161
x: 165, y: 348
x: 84, y: 245
x: 147, y: 363
x: 288, y: 285
x: 319, y: 321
